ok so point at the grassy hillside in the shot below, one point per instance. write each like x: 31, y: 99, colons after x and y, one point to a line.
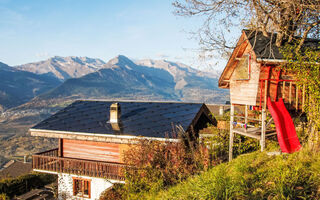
x: 254, y: 176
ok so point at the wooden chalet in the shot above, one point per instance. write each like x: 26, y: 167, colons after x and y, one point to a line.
x: 93, y: 136
x: 253, y: 74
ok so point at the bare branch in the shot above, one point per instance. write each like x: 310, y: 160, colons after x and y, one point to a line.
x: 288, y: 18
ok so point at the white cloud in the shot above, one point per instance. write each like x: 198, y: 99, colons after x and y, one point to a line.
x: 162, y: 56
x: 42, y: 55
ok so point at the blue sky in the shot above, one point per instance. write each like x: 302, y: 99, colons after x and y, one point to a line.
x: 33, y: 30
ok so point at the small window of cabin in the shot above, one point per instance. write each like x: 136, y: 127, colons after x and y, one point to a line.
x: 81, y: 187
x: 242, y: 71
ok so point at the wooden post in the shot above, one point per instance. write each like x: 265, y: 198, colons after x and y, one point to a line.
x: 297, y: 97
x: 45, y: 163
x: 56, y: 165
x: 303, y: 96
x: 263, y: 130
x: 290, y: 93
x: 265, y: 94
x: 231, y: 132
x: 283, y: 90
x: 246, y: 117
x: 60, y: 148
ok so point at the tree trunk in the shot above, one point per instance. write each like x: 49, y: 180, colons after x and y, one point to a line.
x: 313, y: 139
x: 279, y: 39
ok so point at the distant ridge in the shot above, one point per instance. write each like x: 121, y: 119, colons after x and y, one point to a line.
x: 123, y: 78
x: 64, y: 67
x: 18, y: 87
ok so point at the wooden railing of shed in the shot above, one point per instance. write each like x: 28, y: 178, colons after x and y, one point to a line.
x: 285, y: 85
x: 49, y: 161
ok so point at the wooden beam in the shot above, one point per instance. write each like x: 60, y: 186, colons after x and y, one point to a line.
x: 122, y: 139
x: 60, y: 153
x: 263, y: 130
x: 265, y: 94
x: 303, y: 96
x: 248, y: 134
x: 231, y: 132
x: 290, y: 93
x: 246, y: 115
x: 283, y: 90
x: 249, y: 118
x: 297, y: 97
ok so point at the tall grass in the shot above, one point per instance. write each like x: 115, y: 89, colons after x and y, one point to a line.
x: 254, y: 176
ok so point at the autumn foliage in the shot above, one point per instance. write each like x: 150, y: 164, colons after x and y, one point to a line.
x: 154, y: 165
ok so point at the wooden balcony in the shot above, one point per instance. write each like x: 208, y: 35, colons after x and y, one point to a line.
x: 49, y: 161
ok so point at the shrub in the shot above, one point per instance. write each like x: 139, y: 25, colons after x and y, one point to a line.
x: 304, y: 63
x: 217, y: 143
x: 4, y: 197
x: 24, y: 183
x: 115, y: 193
x: 155, y: 165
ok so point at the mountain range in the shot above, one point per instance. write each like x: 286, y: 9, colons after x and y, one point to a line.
x: 18, y: 87
x: 122, y: 78
x: 35, y: 90
x: 63, y: 68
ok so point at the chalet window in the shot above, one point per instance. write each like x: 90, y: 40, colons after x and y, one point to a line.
x: 242, y: 71
x: 81, y: 187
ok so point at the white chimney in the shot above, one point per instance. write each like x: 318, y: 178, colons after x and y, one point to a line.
x: 115, y: 113
x: 221, y: 111
x: 25, y: 159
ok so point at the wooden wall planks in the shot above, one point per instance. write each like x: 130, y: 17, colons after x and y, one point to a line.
x: 90, y: 150
x: 245, y: 91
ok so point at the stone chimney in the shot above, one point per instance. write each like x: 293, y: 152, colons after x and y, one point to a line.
x: 25, y: 159
x: 115, y: 113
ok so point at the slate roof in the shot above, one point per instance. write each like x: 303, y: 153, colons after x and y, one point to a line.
x: 265, y: 47
x: 150, y: 119
x: 17, y: 168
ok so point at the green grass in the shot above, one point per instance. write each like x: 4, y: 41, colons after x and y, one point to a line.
x: 253, y: 176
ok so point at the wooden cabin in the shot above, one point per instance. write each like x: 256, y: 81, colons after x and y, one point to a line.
x: 93, y: 136
x: 253, y: 74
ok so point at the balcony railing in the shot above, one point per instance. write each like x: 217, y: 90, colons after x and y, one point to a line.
x: 49, y: 161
